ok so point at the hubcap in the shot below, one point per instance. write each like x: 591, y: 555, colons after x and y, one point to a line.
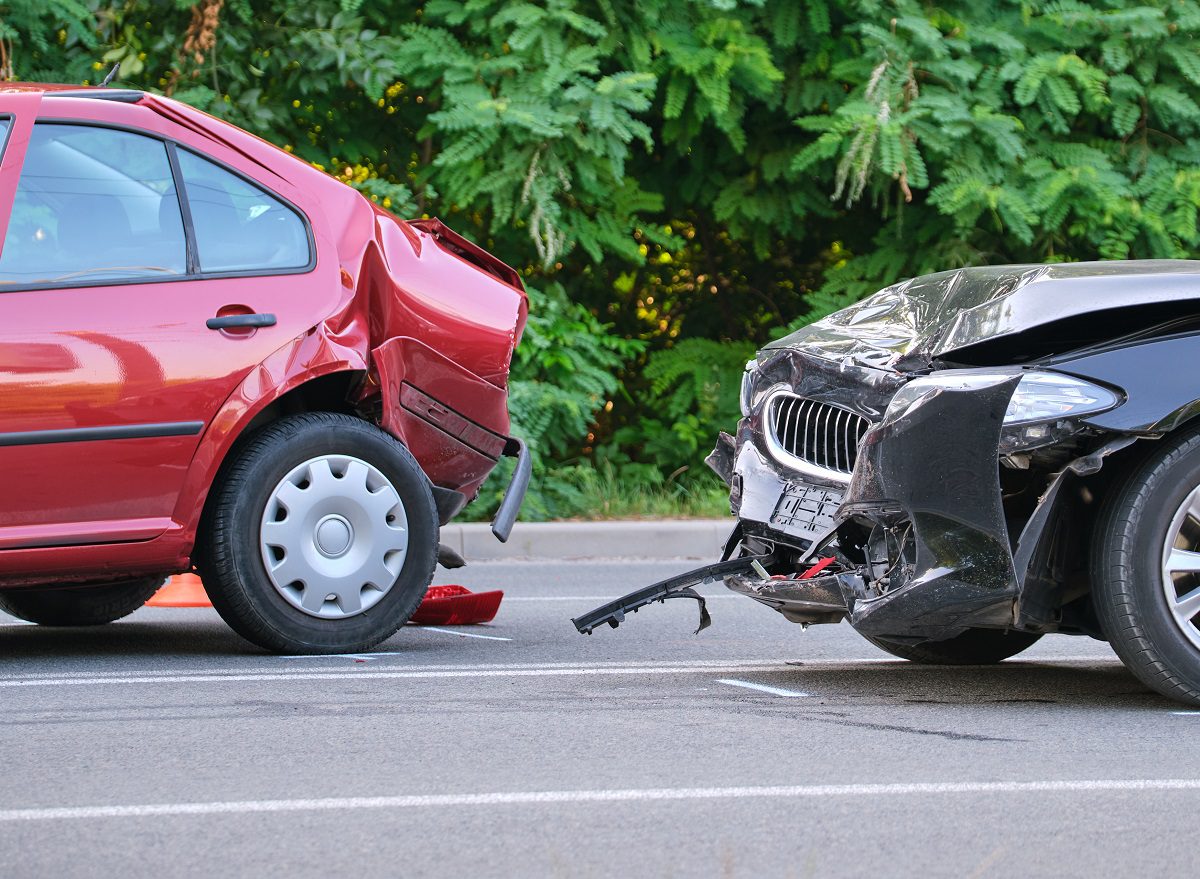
x: 334, y: 536
x: 1181, y: 567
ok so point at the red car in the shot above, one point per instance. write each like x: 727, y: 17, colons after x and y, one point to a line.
x: 215, y: 357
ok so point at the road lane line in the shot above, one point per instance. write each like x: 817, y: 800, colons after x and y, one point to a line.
x: 776, y: 664
x: 522, y: 798
x: 1186, y: 713
x: 757, y: 662
x: 508, y: 598
x: 461, y: 634
x: 774, y: 691
x: 341, y: 655
x: 363, y: 674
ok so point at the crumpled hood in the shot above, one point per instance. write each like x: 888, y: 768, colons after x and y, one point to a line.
x: 905, y: 326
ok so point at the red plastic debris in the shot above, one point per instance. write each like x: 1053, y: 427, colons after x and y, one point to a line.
x: 456, y: 606
x: 817, y: 568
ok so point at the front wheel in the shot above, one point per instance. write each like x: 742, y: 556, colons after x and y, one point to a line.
x: 1146, y: 570
x: 972, y: 647
x: 323, y: 536
x: 79, y: 605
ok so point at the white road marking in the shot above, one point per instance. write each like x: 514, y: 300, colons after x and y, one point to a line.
x: 267, y: 672
x: 509, y: 598
x: 461, y: 634
x: 522, y: 798
x: 456, y: 666
x: 363, y: 674
x: 774, y: 691
x: 1186, y: 713
x: 345, y: 655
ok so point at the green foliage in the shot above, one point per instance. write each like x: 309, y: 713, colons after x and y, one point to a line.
x: 563, y: 373
x: 565, y: 370
x: 693, y: 394
x: 682, y: 178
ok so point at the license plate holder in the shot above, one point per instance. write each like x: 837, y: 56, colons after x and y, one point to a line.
x: 806, y: 511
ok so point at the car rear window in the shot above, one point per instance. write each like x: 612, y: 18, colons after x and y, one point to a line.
x: 239, y: 227
x: 93, y: 204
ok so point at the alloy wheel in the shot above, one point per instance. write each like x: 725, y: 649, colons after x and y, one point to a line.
x: 1181, y: 567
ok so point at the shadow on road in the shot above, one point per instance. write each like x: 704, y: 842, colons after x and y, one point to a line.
x: 1074, y: 684
x: 126, y: 639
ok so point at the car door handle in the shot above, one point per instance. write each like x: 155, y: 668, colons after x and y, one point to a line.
x: 240, y: 320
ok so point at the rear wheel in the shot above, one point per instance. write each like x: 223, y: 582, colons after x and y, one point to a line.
x: 972, y: 647
x: 79, y: 605
x: 1146, y: 570
x: 323, y: 536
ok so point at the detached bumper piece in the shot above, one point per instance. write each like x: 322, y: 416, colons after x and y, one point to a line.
x: 679, y: 586
x: 506, y: 515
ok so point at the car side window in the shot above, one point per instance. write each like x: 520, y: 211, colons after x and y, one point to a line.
x: 238, y: 226
x: 93, y: 204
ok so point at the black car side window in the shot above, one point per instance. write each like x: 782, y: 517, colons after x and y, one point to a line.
x: 93, y: 205
x: 238, y: 226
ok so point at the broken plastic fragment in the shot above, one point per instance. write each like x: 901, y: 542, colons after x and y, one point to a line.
x: 456, y: 606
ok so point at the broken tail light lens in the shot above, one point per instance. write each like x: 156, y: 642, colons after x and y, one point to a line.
x: 1050, y: 396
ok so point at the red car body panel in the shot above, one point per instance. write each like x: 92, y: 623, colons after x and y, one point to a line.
x: 424, y: 321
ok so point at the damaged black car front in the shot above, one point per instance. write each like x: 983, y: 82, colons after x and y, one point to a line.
x: 969, y: 460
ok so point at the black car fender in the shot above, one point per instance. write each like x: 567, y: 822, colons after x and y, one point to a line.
x: 1157, y: 377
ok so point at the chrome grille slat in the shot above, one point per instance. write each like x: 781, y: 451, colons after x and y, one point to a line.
x: 805, y: 413
x: 847, y: 444
x: 820, y: 434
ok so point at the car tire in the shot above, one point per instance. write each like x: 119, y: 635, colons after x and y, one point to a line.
x: 1138, y: 597
x: 322, y: 537
x: 972, y: 647
x: 79, y: 605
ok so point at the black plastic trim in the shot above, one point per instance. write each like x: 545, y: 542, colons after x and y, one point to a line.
x: 95, y: 434
x: 12, y: 122
x: 124, y: 96
x: 506, y: 515
x: 449, y: 502
x: 185, y: 210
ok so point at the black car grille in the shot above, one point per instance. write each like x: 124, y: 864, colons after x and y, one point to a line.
x: 820, y: 434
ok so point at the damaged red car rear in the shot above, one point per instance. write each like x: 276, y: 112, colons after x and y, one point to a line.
x: 215, y: 357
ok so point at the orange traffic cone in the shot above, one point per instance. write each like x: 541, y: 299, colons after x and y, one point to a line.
x: 182, y: 590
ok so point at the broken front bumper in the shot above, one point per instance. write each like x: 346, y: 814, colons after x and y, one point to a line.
x: 919, y: 520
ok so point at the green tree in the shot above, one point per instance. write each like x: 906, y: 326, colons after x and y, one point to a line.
x: 680, y: 179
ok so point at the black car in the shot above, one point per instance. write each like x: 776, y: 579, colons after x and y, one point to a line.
x: 969, y: 460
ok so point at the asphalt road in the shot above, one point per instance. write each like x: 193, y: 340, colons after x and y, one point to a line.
x: 162, y: 745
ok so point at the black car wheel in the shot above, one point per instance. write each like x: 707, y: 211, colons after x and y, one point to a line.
x: 972, y: 647
x: 79, y: 605
x: 1146, y: 570
x: 322, y: 538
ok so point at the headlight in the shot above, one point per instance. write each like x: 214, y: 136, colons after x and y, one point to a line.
x: 1045, y: 407
x: 747, y: 387
x: 1049, y: 396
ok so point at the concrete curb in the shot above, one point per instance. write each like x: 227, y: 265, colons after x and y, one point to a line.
x: 641, y: 539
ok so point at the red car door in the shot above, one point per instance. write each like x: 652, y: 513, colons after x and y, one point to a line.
x: 139, y: 284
